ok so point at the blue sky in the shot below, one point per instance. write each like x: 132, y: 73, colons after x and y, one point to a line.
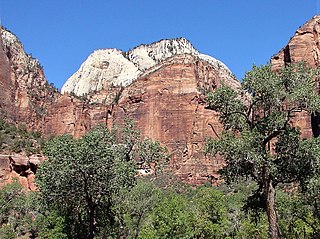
x: 62, y: 33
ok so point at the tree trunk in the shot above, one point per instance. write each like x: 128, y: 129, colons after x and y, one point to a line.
x: 137, y: 226
x: 91, y: 222
x: 270, y: 194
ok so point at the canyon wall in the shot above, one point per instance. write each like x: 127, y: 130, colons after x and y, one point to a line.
x: 303, y: 46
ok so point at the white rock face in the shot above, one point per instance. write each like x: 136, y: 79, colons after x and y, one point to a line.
x: 102, y: 68
x: 114, y: 67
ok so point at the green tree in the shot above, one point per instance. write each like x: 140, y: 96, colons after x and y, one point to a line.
x: 134, y: 205
x: 260, y: 141
x: 17, y: 209
x: 51, y: 226
x: 210, y: 208
x: 172, y: 218
x: 150, y: 155
x: 81, y: 178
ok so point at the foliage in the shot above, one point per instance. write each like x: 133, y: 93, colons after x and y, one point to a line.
x: 51, y: 226
x: 81, y: 178
x: 18, y: 138
x: 170, y: 218
x: 150, y: 155
x: 17, y: 210
x: 134, y: 205
x: 88, y: 180
x: 259, y: 141
x: 210, y: 213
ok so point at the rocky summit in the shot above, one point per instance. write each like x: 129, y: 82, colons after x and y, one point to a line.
x: 112, y: 67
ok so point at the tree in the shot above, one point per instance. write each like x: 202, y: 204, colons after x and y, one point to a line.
x: 210, y: 214
x: 17, y: 209
x: 81, y: 178
x: 150, y: 155
x: 134, y: 205
x: 172, y: 218
x: 259, y: 139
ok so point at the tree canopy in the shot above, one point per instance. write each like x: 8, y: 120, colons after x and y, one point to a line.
x: 260, y: 141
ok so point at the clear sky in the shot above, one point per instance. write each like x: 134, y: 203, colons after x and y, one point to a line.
x: 63, y: 33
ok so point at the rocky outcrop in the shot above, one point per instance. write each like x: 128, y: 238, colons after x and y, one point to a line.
x: 111, y: 67
x: 303, y: 46
x: 26, y: 90
x: 21, y: 167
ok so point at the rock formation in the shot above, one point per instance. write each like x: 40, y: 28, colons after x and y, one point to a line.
x: 21, y: 167
x: 26, y: 92
x: 167, y: 102
x: 112, y: 67
x: 161, y: 86
x: 303, y: 46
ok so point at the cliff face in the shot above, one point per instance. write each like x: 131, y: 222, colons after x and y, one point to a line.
x: 167, y: 102
x: 303, y: 46
x: 25, y: 88
x: 6, y: 89
x: 70, y: 115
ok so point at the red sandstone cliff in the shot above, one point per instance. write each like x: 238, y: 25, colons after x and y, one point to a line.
x: 167, y: 104
x: 303, y: 46
x: 26, y: 92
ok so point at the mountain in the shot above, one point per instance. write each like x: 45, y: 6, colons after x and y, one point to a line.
x: 112, y: 67
x: 161, y: 86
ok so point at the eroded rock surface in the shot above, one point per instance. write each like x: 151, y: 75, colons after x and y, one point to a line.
x: 21, y: 167
x: 167, y: 103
